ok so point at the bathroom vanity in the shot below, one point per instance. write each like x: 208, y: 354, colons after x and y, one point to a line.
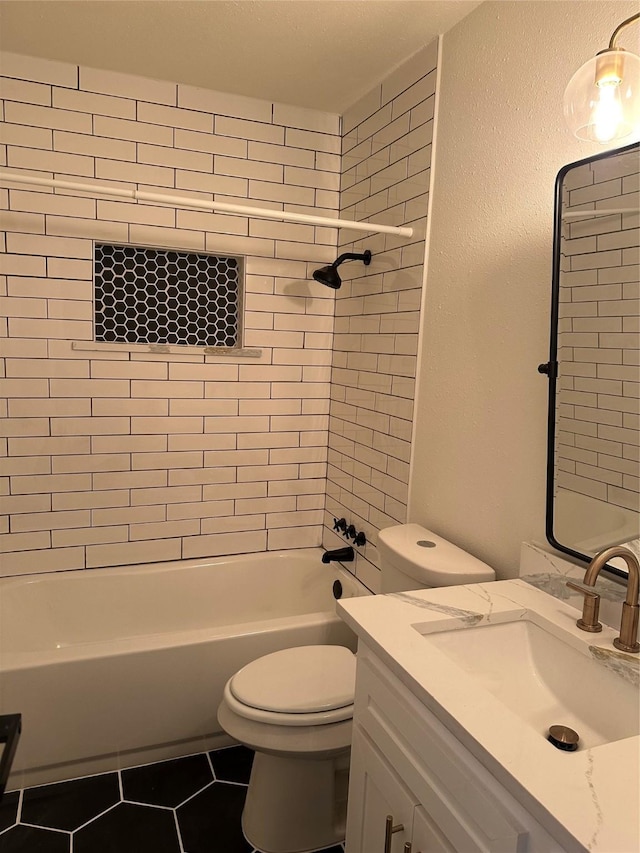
x: 450, y: 749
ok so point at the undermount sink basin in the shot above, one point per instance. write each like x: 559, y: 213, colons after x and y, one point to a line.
x: 543, y: 679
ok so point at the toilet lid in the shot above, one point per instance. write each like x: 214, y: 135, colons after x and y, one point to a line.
x: 298, y: 681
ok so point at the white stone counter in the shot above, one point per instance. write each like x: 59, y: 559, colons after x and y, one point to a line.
x: 589, y: 799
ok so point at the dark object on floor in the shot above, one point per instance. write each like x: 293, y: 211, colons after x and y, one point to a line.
x: 10, y: 728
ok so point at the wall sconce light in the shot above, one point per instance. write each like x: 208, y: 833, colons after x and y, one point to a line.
x: 602, y: 100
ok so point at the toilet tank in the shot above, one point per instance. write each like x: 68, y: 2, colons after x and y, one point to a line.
x: 412, y: 557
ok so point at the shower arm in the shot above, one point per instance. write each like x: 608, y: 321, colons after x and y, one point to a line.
x: 349, y: 256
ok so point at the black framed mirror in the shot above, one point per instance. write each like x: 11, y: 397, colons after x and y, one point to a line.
x: 593, y: 462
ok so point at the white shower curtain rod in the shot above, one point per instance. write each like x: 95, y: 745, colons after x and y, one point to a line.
x: 201, y: 204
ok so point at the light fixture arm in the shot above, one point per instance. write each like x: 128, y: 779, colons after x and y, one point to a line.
x: 612, y: 40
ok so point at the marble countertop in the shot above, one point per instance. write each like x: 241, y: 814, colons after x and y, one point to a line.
x: 550, y: 572
x: 588, y: 800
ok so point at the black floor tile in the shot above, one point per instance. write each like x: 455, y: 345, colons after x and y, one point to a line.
x: 9, y: 809
x: 129, y: 828
x: 167, y: 783
x: 232, y: 764
x: 94, y: 821
x: 67, y: 805
x: 30, y: 839
x: 210, y: 821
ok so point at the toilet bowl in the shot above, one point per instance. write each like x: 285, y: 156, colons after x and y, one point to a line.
x: 294, y: 708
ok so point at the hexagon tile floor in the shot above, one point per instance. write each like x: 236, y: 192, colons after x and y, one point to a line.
x: 187, y: 805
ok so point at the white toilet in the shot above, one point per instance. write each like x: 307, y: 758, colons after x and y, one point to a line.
x: 294, y: 708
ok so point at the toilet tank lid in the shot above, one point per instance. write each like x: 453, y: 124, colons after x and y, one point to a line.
x: 428, y: 558
x: 300, y: 680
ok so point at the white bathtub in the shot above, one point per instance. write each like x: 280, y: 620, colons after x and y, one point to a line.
x: 117, y: 667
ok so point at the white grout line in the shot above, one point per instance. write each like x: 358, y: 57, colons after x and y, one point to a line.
x: 211, y: 766
x: 199, y: 791
x: 120, y: 787
x: 95, y: 817
x: 47, y: 828
x: 179, y: 834
x: 151, y: 805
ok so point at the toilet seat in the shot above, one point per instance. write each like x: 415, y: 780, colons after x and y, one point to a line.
x: 302, y: 686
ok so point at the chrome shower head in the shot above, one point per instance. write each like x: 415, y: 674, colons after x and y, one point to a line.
x: 329, y: 275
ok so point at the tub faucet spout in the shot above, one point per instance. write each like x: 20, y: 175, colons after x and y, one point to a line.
x: 628, y: 639
x: 343, y: 555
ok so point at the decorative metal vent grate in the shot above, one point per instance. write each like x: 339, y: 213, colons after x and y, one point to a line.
x: 154, y: 296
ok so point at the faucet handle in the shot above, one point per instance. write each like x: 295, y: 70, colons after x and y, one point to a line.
x: 590, y: 608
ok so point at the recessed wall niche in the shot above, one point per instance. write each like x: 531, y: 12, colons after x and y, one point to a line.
x: 159, y: 296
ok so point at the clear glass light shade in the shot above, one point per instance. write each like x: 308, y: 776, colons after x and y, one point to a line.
x: 602, y: 100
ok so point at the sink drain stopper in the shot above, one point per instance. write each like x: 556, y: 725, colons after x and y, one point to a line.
x: 562, y: 737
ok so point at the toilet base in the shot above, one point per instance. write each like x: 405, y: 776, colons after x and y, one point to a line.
x: 296, y: 805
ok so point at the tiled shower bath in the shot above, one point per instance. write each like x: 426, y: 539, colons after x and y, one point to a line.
x: 186, y: 805
x: 117, y: 454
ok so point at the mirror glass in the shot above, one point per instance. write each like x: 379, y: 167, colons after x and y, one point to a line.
x: 593, y: 478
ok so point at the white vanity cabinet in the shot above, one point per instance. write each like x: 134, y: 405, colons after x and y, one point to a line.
x: 407, y: 764
x: 382, y: 794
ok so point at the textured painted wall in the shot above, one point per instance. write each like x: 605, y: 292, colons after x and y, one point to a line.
x: 478, y: 476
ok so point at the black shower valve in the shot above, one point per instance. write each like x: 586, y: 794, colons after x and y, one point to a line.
x: 358, y: 536
x: 349, y: 531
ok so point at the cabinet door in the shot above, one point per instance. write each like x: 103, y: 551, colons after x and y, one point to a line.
x: 375, y: 791
x: 426, y: 837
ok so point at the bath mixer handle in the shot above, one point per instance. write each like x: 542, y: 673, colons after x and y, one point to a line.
x: 340, y: 524
x: 360, y: 539
x: 590, y: 610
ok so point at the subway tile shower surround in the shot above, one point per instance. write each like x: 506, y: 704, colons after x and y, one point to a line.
x: 120, y: 455
x: 386, y: 160
x: 117, y: 456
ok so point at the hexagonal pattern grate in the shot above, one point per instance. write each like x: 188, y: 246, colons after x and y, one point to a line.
x: 156, y: 296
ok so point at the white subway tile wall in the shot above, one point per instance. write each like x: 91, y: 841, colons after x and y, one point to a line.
x: 386, y: 158
x: 113, y: 456
x: 598, y: 409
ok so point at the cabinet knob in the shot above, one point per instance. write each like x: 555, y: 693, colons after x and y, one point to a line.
x: 389, y: 830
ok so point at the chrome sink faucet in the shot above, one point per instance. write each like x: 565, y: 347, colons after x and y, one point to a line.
x: 628, y: 639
